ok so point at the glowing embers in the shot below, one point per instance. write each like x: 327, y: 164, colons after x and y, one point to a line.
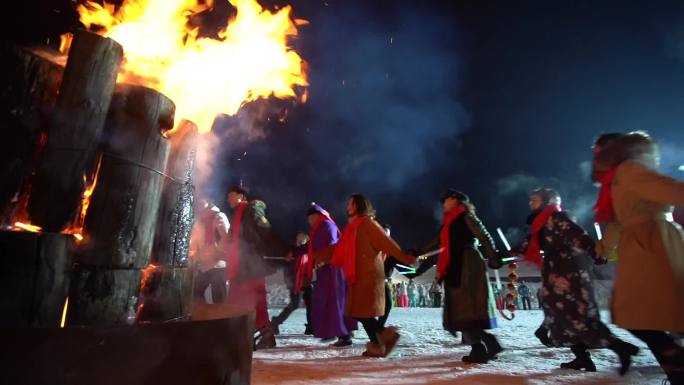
x: 27, y: 227
x: 251, y: 58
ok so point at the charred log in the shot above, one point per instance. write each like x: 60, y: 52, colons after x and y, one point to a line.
x: 103, y: 296
x: 34, y: 280
x: 74, y: 134
x: 28, y: 93
x: 176, y: 212
x: 166, y: 294
x: 122, y: 216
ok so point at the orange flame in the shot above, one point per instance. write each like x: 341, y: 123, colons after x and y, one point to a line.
x: 76, y: 228
x: 64, y: 313
x: 204, y: 77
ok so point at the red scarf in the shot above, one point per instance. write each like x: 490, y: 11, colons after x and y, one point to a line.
x: 301, y: 266
x: 344, y: 255
x: 603, y: 208
x: 533, y: 253
x: 233, y: 243
x: 445, y: 254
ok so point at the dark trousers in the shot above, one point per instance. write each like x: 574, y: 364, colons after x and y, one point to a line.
x: 372, y: 327
x: 216, y: 278
x: 388, y: 305
x: 436, y: 299
x: 670, y: 356
x: 294, y: 305
x: 526, y: 303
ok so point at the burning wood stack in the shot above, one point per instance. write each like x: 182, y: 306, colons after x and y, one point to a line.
x: 96, y: 213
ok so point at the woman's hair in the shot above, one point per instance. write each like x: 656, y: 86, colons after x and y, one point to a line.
x: 548, y: 196
x: 462, y: 197
x: 613, y: 149
x: 362, y: 204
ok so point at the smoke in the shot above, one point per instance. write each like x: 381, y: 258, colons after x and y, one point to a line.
x: 384, y: 95
x: 671, y: 159
x: 383, y: 105
x: 577, y: 193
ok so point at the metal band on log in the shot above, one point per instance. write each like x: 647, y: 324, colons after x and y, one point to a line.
x: 122, y: 216
x: 34, y: 279
x: 28, y: 93
x: 74, y: 135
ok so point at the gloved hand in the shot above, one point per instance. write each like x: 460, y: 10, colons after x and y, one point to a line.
x: 496, y: 261
x: 600, y: 260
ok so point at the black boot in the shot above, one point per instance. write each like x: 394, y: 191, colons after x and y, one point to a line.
x: 673, y: 365
x: 542, y: 334
x: 625, y: 351
x: 478, y: 355
x: 275, y: 325
x: 308, y: 330
x: 582, y: 360
x: 492, y: 344
x: 265, y: 339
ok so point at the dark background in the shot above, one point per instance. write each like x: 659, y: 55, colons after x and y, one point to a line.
x: 409, y: 98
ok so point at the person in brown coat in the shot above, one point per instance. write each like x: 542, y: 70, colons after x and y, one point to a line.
x: 360, y: 254
x: 648, y: 298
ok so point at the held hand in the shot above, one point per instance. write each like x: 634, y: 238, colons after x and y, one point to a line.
x: 496, y: 262
x: 600, y: 260
x: 289, y: 257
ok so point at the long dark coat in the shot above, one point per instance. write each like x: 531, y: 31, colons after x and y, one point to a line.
x: 468, y: 301
x: 256, y: 241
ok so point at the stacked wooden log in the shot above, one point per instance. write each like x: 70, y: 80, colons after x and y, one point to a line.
x: 166, y: 292
x: 121, y: 220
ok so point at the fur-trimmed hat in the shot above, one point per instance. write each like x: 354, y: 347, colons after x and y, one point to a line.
x: 316, y: 209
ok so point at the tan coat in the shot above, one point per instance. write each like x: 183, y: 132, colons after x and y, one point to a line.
x: 649, y: 284
x: 366, y: 297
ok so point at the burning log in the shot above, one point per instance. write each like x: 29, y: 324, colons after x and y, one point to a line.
x: 166, y: 294
x: 34, y: 279
x: 176, y: 212
x: 102, y: 296
x: 121, y: 220
x: 28, y: 93
x: 122, y: 215
x: 74, y: 135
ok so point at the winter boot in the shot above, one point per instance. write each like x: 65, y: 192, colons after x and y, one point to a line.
x: 389, y: 338
x: 275, y: 325
x: 266, y: 339
x: 342, y: 342
x: 308, y: 330
x: 374, y: 350
x: 673, y: 365
x: 582, y: 360
x: 542, y: 334
x: 625, y: 351
x: 492, y: 344
x: 478, y: 355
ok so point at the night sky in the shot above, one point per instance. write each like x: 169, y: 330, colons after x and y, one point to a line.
x: 490, y: 97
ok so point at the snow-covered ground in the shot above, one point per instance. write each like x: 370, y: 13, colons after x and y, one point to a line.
x: 426, y: 354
